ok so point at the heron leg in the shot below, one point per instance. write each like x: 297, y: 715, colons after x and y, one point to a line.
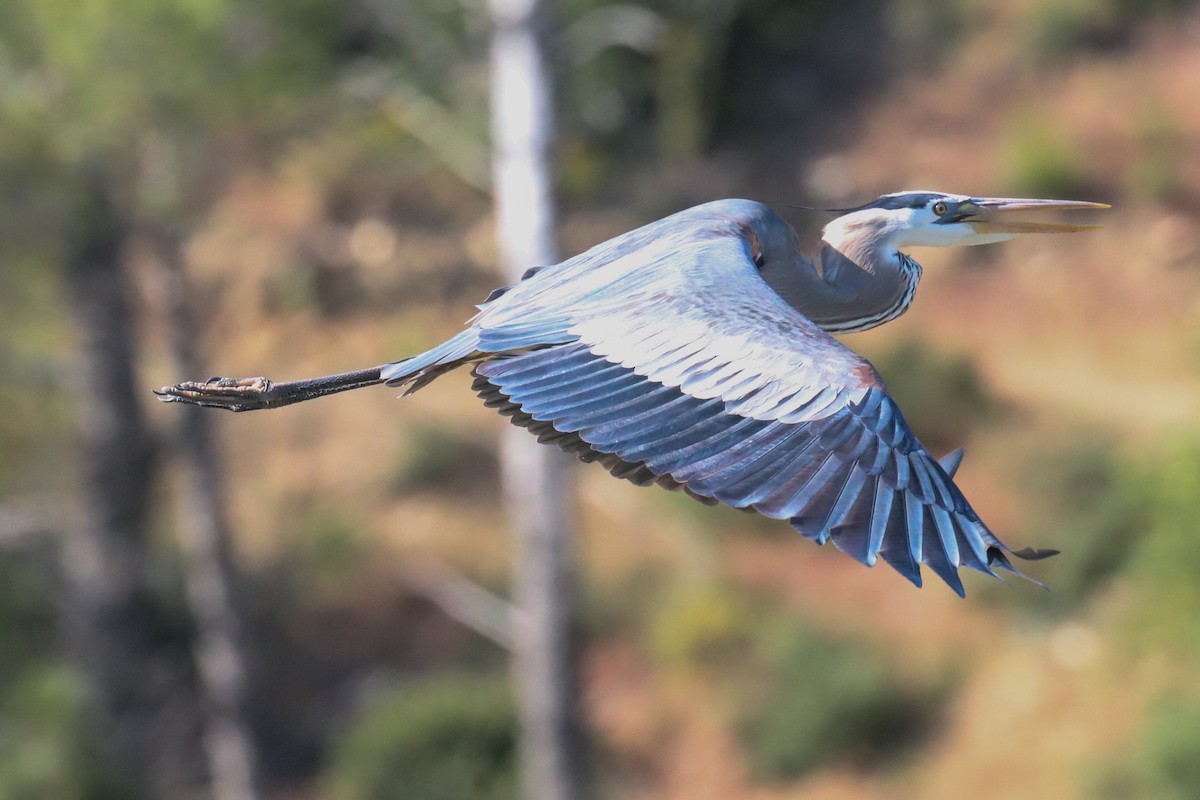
x: 253, y: 394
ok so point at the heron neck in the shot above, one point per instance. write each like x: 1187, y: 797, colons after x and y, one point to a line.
x: 849, y: 288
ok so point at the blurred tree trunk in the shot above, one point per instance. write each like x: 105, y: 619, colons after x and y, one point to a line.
x: 537, y: 478
x: 209, y: 574
x: 685, y: 58
x: 115, y: 622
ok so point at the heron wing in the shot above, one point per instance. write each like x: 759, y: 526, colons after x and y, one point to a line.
x: 684, y: 305
x: 668, y: 358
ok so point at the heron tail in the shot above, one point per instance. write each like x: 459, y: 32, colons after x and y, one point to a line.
x: 417, y: 371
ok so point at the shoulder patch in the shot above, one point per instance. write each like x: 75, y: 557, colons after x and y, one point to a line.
x: 868, y: 377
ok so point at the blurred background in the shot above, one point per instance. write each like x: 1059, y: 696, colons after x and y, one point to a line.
x: 299, y: 187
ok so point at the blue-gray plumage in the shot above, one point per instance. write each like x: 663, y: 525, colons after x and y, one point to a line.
x: 695, y: 353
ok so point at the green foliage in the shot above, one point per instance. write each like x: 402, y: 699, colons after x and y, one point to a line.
x: 34, y: 430
x: 39, y: 722
x: 786, y: 59
x: 1064, y: 27
x: 825, y: 699
x: 1170, y: 750
x: 443, y: 738
x: 43, y: 752
x: 698, y: 623
x: 670, y: 80
x: 1042, y: 161
x: 1061, y: 28
x: 447, y: 460
x: 1155, y: 173
x: 1168, y: 561
x: 43, y: 722
x: 927, y: 27
x: 613, y: 606
x: 27, y: 615
x: 1164, y: 762
x: 35, y: 426
x: 328, y: 547
x: 943, y: 395
x: 1089, y: 503
x: 114, y: 66
x: 800, y: 698
x: 43, y: 704
x: 146, y: 95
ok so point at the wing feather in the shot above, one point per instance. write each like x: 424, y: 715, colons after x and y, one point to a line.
x: 809, y: 507
x: 881, y: 511
x: 664, y: 355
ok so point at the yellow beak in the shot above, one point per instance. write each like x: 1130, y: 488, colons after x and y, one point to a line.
x: 990, y: 215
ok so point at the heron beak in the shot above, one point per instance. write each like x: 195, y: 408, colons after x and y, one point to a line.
x: 990, y: 215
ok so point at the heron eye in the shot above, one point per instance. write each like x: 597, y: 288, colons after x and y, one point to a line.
x: 939, y: 208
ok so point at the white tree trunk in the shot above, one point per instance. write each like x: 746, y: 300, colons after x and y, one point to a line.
x: 537, y: 478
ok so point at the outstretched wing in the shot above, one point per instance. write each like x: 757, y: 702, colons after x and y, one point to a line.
x: 671, y: 361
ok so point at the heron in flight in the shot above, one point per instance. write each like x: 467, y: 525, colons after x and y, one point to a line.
x: 696, y: 353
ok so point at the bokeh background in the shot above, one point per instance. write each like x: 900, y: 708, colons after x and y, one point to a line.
x: 315, y: 173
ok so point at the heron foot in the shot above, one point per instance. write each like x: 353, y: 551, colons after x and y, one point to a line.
x: 231, y: 394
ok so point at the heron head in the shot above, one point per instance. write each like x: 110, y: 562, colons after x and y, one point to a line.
x: 935, y: 219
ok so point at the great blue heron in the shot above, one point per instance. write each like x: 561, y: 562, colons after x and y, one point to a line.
x: 695, y: 353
